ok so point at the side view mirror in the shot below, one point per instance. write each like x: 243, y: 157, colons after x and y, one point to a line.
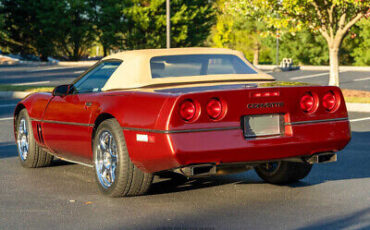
x: 61, y: 90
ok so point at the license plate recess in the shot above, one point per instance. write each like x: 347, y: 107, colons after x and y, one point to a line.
x: 263, y: 125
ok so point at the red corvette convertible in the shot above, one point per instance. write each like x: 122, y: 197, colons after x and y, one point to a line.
x: 192, y: 111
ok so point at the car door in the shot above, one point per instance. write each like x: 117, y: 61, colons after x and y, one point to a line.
x: 66, y: 125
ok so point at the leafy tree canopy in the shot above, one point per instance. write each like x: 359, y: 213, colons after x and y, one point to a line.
x: 332, y: 18
x: 191, y: 21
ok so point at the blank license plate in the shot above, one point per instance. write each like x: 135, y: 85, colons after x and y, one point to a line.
x: 262, y: 125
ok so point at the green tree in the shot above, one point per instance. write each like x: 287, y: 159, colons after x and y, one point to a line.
x: 361, y: 53
x: 47, y: 27
x: 332, y: 18
x: 229, y: 32
x: 28, y: 26
x: 2, y: 34
x: 238, y: 31
x: 109, y: 22
x: 303, y: 47
x: 191, y: 21
x: 18, y: 35
x: 76, y: 34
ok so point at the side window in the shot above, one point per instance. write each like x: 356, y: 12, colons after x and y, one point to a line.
x: 96, y: 78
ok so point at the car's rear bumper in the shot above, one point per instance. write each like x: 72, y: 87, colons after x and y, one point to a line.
x: 164, y: 151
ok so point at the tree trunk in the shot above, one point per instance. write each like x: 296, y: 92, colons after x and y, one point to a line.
x: 105, y: 51
x: 334, y: 66
x: 256, y: 54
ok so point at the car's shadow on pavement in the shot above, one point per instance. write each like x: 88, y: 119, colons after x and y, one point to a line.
x: 352, y: 164
x: 8, y: 149
x: 178, y: 183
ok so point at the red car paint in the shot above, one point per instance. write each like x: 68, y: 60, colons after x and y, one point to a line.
x: 65, y: 125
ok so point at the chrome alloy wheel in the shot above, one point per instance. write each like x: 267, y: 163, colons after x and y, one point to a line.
x: 23, y: 139
x: 106, y: 159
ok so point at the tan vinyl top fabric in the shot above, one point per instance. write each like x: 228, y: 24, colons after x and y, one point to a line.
x: 134, y: 72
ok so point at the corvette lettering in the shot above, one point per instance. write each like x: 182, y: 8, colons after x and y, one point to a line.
x: 265, y: 105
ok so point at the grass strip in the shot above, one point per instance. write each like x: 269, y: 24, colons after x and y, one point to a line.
x: 357, y: 99
x: 26, y: 88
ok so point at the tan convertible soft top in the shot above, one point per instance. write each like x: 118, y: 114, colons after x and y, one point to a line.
x: 134, y: 72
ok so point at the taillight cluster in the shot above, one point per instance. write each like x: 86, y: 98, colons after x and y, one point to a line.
x: 188, y: 110
x: 310, y: 102
x: 329, y: 101
x: 215, y: 108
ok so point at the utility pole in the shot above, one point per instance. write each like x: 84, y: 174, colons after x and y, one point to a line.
x: 168, y: 29
x: 277, y: 47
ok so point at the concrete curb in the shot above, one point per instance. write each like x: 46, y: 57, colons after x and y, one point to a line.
x: 352, y: 107
x: 61, y: 63
x: 77, y: 63
x: 321, y: 68
x: 358, y: 107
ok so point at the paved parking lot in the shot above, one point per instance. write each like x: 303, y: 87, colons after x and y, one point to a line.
x: 348, y: 79
x: 64, y: 196
x: 57, y: 75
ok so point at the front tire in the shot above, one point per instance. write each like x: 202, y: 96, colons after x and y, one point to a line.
x: 283, y: 172
x: 31, y: 155
x: 115, y: 174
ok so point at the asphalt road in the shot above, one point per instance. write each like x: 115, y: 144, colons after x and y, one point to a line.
x: 65, y: 196
x: 57, y: 75
x: 348, y: 80
x: 39, y: 75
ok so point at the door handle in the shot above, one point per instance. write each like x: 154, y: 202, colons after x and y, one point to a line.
x: 87, y: 105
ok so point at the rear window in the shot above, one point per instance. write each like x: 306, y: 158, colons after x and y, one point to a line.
x: 195, y: 65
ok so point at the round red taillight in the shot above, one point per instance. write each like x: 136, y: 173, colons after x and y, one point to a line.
x: 214, y: 108
x: 187, y: 110
x: 307, y: 103
x: 329, y: 101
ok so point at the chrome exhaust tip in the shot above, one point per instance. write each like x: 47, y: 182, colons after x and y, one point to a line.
x: 326, y: 157
x: 197, y: 170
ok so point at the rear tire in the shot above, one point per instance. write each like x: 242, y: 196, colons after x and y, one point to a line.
x: 31, y: 155
x: 283, y: 172
x: 115, y: 174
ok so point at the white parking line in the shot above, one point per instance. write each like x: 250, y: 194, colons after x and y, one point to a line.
x: 78, y: 72
x: 47, y: 69
x: 6, y: 118
x: 7, y: 105
x: 362, y: 79
x: 312, y: 75
x: 31, y: 83
x: 360, y: 119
